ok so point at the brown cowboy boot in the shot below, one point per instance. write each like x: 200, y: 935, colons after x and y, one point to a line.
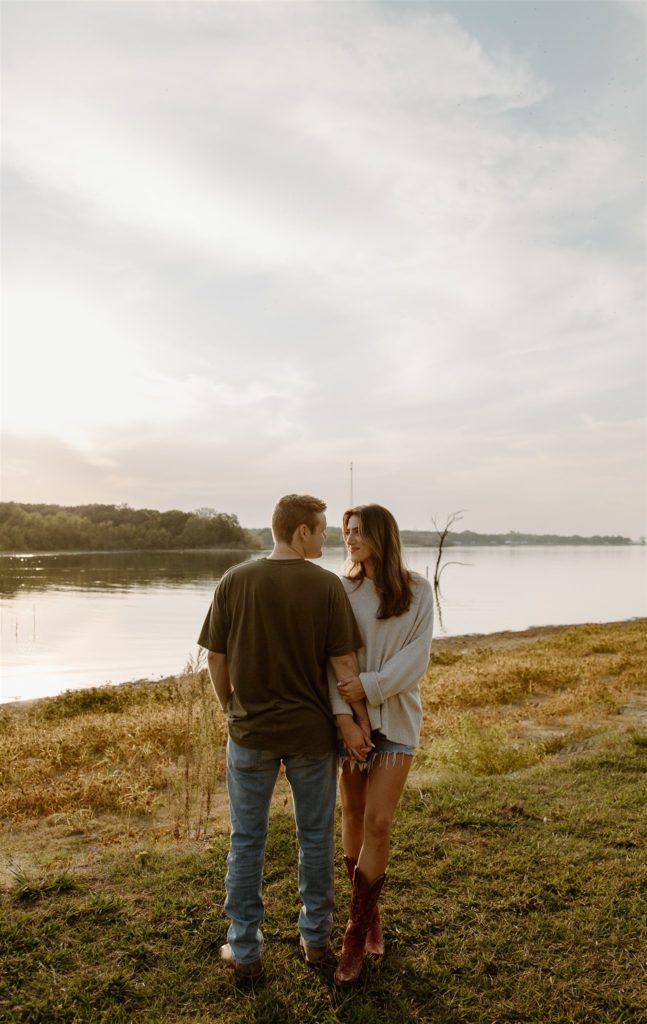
x: 374, y: 937
x: 365, y: 896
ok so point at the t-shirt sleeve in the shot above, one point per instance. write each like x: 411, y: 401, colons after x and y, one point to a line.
x: 343, y: 633
x: 215, y: 629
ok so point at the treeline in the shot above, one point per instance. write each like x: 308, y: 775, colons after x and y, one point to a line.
x: 122, y: 528
x: 117, y: 528
x: 464, y: 538
x: 467, y: 538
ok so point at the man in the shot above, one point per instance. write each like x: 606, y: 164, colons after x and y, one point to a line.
x: 272, y: 627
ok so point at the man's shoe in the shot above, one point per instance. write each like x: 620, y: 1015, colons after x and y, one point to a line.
x: 315, y: 956
x: 248, y: 972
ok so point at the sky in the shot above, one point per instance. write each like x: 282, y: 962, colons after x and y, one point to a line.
x: 245, y: 244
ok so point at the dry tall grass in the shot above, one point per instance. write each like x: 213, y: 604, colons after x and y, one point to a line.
x: 145, y: 748
x: 506, y: 702
x: 576, y: 671
x: 126, y: 749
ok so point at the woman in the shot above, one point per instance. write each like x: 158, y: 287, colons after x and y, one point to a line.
x: 394, y: 612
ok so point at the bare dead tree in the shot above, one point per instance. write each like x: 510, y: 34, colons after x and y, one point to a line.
x: 452, y: 518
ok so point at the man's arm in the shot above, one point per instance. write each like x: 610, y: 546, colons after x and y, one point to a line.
x: 345, y: 665
x: 355, y: 733
x: 219, y: 676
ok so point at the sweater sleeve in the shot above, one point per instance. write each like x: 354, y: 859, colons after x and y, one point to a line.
x: 404, y: 670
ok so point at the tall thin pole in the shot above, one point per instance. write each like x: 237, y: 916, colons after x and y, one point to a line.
x: 352, y: 502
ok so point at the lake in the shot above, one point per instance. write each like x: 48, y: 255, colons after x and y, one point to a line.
x: 75, y: 620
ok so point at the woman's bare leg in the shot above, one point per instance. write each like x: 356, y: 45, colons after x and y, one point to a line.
x: 353, y: 785
x: 384, y: 786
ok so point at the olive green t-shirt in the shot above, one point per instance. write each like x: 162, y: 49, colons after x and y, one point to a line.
x: 278, y: 622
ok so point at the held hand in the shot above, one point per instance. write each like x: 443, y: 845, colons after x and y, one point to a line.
x: 354, y: 739
x: 351, y: 689
x: 360, y: 753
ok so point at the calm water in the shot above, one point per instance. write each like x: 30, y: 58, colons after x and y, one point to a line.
x: 74, y: 620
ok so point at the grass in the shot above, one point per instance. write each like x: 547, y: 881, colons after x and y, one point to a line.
x: 573, y: 670
x: 129, y: 749
x: 469, y: 746
x: 517, y: 889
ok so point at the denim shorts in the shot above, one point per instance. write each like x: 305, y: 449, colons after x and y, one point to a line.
x: 382, y: 746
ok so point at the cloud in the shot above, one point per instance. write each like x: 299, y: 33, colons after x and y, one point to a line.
x: 290, y: 240
x: 301, y: 107
x: 636, y: 7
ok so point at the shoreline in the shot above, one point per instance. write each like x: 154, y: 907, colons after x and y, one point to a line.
x: 464, y: 644
x: 330, y: 544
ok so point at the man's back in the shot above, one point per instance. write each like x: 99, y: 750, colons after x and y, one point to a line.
x: 278, y: 621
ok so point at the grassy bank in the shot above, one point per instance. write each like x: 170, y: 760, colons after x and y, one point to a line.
x: 518, y: 887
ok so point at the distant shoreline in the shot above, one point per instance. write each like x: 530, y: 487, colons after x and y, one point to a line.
x: 330, y: 545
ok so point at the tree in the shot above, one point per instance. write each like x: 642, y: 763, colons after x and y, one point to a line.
x: 452, y: 518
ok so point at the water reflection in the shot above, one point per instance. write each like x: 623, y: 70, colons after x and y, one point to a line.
x: 105, y: 571
x: 438, y: 594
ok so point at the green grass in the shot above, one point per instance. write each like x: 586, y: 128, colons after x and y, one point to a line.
x: 511, y: 897
x: 479, y: 749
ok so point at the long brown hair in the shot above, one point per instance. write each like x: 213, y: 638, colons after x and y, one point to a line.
x: 379, y: 530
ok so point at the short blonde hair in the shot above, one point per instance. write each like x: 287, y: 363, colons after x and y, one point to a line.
x: 291, y: 511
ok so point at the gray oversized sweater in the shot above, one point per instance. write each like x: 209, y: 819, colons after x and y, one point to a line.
x: 392, y: 661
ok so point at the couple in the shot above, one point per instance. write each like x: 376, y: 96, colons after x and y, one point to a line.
x: 287, y: 642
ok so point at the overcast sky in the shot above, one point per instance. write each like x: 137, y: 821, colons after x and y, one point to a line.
x: 247, y: 243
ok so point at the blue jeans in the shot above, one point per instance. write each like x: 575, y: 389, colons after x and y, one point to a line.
x: 251, y: 776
